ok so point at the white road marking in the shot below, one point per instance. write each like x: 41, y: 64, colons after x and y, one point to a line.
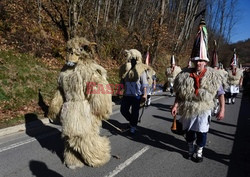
x: 119, y: 168
x: 12, y: 146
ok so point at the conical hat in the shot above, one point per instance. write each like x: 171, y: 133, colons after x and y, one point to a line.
x: 189, y: 64
x: 172, y: 60
x: 214, y: 62
x: 221, y: 66
x: 200, y: 46
x: 234, y: 60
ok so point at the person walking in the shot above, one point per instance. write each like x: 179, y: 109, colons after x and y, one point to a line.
x: 235, y: 79
x: 134, y: 79
x: 195, y: 90
x: 171, y: 73
x: 151, y: 75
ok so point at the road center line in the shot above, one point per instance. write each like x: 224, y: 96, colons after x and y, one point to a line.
x: 119, y: 168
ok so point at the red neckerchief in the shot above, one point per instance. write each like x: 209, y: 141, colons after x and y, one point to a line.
x: 172, y: 69
x: 197, y: 79
x: 234, y: 71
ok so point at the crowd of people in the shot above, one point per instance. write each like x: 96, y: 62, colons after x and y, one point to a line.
x: 200, y: 93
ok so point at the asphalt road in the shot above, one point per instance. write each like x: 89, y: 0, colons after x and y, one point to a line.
x: 154, y: 151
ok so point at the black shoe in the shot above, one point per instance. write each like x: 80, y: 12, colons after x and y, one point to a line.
x: 190, y: 156
x: 132, y: 130
x: 198, y: 159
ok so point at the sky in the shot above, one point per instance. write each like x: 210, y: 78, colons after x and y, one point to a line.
x: 241, y: 31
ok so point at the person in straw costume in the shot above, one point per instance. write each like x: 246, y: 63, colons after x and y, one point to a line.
x: 235, y: 79
x: 171, y: 73
x: 195, y: 90
x: 79, y: 110
x: 134, y: 78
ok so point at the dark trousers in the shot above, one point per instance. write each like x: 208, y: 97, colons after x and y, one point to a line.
x: 171, y: 90
x: 200, y: 138
x: 229, y: 95
x: 133, y: 103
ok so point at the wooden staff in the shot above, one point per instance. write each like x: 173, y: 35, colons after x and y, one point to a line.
x: 174, y: 124
x: 120, y: 130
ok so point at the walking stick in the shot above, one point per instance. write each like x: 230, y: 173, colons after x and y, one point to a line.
x: 120, y: 130
x: 174, y: 127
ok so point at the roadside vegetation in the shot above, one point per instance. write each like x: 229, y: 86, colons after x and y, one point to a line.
x: 21, y: 77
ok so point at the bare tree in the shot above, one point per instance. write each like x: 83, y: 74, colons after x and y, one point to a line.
x: 39, y: 4
x: 191, y: 10
x: 117, y: 11
x: 98, y: 12
x: 106, y: 11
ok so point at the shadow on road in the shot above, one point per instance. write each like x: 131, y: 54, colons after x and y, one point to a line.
x: 223, y: 123
x: 162, y: 107
x: 48, y: 137
x: 240, y: 158
x: 40, y: 169
x: 149, y: 137
x: 168, y: 141
x: 222, y: 134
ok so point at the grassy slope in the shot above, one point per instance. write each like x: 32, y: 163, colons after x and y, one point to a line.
x: 21, y: 76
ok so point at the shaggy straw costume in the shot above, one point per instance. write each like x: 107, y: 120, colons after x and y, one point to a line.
x: 234, y: 79
x: 81, y: 112
x: 171, y: 75
x: 133, y: 72
x: 190, y: 104
x: 132, y: 75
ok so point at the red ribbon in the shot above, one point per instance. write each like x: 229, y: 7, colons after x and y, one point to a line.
x: 197, y: 79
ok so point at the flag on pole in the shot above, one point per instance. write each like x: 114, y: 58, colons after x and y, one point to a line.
x: 147, y: 58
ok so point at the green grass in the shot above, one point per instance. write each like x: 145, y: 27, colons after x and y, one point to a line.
x: 21, y: 76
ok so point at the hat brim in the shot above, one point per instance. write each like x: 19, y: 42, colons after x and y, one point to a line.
x: 198, y: 58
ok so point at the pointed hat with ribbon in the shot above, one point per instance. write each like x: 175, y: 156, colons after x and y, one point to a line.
x: 200, y: 46
x: 172, y: 60
x: 214, y: 62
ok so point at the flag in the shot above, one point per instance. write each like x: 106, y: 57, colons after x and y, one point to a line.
x: 147, y: 58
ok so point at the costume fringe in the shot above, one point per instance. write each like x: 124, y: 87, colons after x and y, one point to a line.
x: 189, y: 104
x: 234, y: 79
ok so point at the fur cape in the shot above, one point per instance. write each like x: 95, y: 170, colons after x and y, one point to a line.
x: 128, y: 74
x: 150, y: 73
x: 189, y: 104
x: 234, y: 79
x: 224, y: 75
x: 172, y: 75
x: 133, y: 74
